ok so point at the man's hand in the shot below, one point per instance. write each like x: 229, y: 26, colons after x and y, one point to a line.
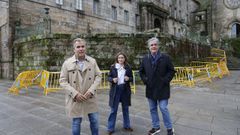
x: 80, y: 97
x: 88, y: 94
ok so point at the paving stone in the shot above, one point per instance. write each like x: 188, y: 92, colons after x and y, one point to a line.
x: 2, y: 133
x: 3, y: 116
x: 185, y: 130
x: 197, y: 124
x: 57, y: 130
x: 226, y: 123
x: 225, y: 130
x: 11, y: 125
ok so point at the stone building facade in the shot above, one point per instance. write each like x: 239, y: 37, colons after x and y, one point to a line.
x: 105, y: 16
x: 226, y: 19
x: 217, y: 19
x: 23, y: 18
x: 214, y: 19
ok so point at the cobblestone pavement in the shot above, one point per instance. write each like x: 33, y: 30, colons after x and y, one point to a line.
x: 209, y: 109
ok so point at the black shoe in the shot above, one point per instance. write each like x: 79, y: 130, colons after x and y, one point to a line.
x: 128, y: 129
x: 170, y: 132
x: 154, y: 131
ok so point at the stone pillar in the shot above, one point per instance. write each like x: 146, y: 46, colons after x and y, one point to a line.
x: 144, y: 18
x: 5, y: 48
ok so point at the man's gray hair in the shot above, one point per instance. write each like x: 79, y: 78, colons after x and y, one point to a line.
x: 153, y: 40
x: 79, y: 40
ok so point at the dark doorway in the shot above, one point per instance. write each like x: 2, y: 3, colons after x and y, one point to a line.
x: 157, y: 24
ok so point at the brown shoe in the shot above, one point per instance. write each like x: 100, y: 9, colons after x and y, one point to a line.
x: 110, y: 132
x: 128, y: 129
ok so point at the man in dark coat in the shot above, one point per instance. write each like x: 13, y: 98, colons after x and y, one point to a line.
x: 156, y: 71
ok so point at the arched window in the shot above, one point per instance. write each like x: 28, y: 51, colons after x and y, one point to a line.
x: 235, y: 30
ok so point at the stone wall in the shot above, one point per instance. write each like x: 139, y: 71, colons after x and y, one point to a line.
x: 49, y: 52
x: 5, y: 40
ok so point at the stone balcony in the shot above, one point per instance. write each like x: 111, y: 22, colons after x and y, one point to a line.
x: 155, y: 6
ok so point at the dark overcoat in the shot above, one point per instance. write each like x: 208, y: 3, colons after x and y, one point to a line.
x: 157, y: 76
x: 126, y: 94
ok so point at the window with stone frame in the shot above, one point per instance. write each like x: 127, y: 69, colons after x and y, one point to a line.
x: 178, y: 33
x: 137, y: 20
x: 187, y: 19
x: 175, y: 13
x: 171, y: 10
x: 235, y: 30
x: 126, y: 16
x: 79, y: 4
x: 174, y: 31
x: 59, y: 2
x: 96, y: 7
x: 114, y: 13
x: 180, y: 15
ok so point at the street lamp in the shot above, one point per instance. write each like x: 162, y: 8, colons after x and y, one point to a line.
x: 46, y: 10
x: 47, y: 20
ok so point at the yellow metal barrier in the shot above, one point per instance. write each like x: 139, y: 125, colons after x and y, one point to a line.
x: 24, y: 80
x: 222, y: 64
x: 44, y: 79
x: 213, y: 59
x: 50, y: 81
x: 224, y: 68
x: 213, y: 68
x: 183, y: 76
x: 106, y: 85
x: 133, y: 84
x: 218, y: 53
x: 220, y: 57
x: 201, y: 73
x: 47, y: 80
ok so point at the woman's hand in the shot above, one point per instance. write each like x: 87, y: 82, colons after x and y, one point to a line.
x: 126, y: 78
x: 115, y: 80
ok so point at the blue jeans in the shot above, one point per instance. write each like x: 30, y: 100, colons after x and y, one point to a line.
x: 93, y: 118
x: 113, y: 114
x: 153, y: 104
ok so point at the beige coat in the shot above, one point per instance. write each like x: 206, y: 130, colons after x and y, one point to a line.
x: 74, y: 81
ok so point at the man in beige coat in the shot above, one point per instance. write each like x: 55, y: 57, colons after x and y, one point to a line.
x: 80, y: 77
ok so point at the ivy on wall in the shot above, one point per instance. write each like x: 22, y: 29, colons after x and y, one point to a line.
x: 49, y: 52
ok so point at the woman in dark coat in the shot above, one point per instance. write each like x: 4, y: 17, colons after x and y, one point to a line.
x: 120, y: 76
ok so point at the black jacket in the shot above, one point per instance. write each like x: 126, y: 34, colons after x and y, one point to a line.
x: 126, y: 98
x: 157, y: 76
